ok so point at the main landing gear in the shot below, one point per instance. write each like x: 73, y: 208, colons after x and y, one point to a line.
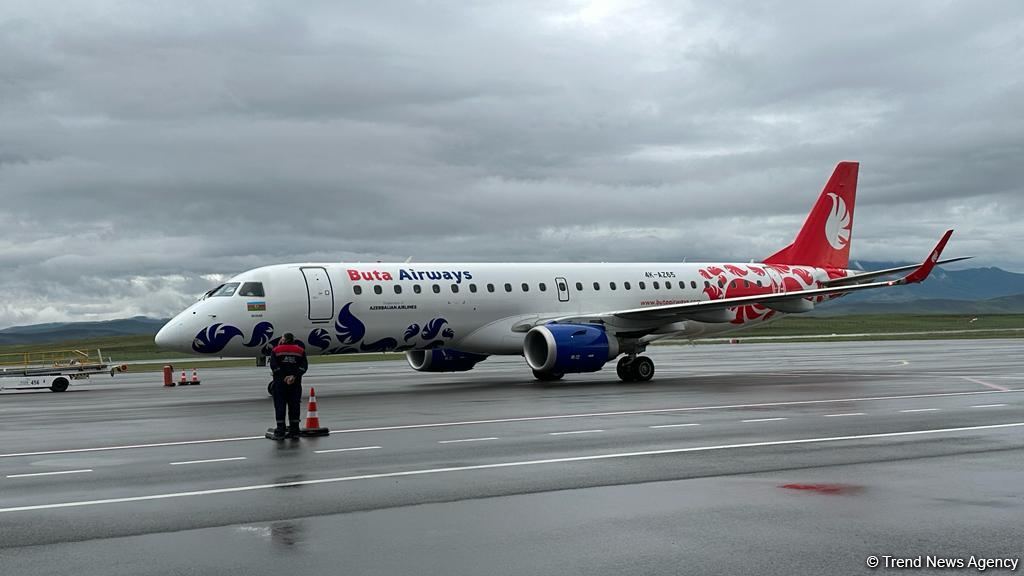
x: 635, y: 369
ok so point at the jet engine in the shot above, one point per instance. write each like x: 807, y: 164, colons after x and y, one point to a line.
x: 442, y: 360
x: 565, y: 348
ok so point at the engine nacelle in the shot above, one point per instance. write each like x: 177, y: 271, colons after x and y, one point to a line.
x: 442, y: 360
x: 565, y: 348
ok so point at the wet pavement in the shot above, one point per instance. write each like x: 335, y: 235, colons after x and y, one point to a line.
x: 759, y: 458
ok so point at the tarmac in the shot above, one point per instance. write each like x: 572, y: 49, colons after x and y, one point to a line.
x: 768, y: 458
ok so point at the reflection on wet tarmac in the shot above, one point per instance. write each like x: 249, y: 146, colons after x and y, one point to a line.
x: 289, y: 481
x: 286, y: 534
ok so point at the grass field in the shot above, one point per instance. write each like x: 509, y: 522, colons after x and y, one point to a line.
x: 141, y: 348
x: 886, y: 323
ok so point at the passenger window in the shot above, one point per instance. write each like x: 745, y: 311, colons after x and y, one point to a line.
x: 526, y: 287
x: 436, y: 288
x: 455, y: 288
x: 758, y: 283
x: 490, y: 287
x: 693, y: 284
x: 611, y: 285
x: 597, y: 286
x: 626, y: 286
x: 508, y: 287
x: 562, y: 287
x: 642, y: 285
x: 226, y: 290
x: 416, y: 288
x: 357, y: 289
x: 398, y: 289
x: 579, y: 286
x: 721, y: 283
x: 252, y: 289
x: 472, y: 288
x: 543, y: 287
x: 377, y: 289
x: 746, y: 284
x: 668, y: 285
x: 682, y: 285
x: 707, y: 284
x: 656, y: 286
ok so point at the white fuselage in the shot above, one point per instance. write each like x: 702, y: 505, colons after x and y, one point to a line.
x: 477, y: 308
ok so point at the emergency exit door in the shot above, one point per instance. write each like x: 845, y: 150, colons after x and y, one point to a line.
x: 563, y: 289
x: 321, y: 296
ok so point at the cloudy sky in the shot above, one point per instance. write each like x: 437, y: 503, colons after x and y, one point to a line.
x: 148, y: 147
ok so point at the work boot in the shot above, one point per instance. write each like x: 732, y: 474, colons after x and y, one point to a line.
x: 293, y: 430
x: 279, y: 432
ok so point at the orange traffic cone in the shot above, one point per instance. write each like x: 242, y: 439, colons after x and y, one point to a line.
x: 312, y: 427
x: 195, y: 377
x: 183, y: 381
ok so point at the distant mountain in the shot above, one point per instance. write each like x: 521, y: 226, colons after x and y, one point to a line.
x: 61, y: 331
x: 970, y: 291
x: 970, y: 284
x: 847, y: 305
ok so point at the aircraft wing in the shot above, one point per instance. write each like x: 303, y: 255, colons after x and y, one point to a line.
x: 695, y: 310
x: 858, y: 278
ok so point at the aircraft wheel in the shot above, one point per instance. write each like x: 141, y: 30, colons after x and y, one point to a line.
x: 642, y: 369
x: 547, y: 376
x: 624, y: 369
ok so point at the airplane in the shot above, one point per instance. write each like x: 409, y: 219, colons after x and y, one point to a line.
x: 563, y: 318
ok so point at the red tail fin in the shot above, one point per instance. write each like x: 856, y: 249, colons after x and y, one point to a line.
x: 825, y: 238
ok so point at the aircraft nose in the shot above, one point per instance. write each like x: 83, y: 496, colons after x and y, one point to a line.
x: 171, y: 335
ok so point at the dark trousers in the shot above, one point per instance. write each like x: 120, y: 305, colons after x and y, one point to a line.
x: 287, y: 396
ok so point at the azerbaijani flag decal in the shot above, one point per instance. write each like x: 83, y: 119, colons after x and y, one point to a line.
x: 260, y: 306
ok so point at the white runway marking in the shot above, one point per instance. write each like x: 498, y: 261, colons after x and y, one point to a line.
x: 574, y: 432
x: 988, y: 405
x: 131, y: 446
x: 49, y: 473
x: 764, y: 419
x: 674, y: 425
x: 666, y: 410
x: 919, y: 410
x: 347, y: 449
x: 467, y: 440
x: 844, y: 414
x: 527, y: 419
x: 424, y: 472
x: 207, y: 461
x: 988, y: 384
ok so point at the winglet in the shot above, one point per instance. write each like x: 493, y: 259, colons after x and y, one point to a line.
x: 926, y: 267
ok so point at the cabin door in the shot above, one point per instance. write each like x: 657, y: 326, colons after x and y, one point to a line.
x: 321, y: 296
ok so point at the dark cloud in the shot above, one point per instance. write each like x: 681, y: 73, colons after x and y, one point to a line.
x: 146, y: 148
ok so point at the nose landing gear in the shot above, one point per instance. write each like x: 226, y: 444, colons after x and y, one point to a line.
x: 635, y: 369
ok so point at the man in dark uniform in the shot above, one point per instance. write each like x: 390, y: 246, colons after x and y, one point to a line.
x: 288, y: 363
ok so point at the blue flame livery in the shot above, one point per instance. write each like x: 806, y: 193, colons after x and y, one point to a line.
x: 563, y: 318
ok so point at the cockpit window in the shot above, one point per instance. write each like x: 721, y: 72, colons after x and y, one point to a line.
x: 252, y: 289
x: 226, y: 290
